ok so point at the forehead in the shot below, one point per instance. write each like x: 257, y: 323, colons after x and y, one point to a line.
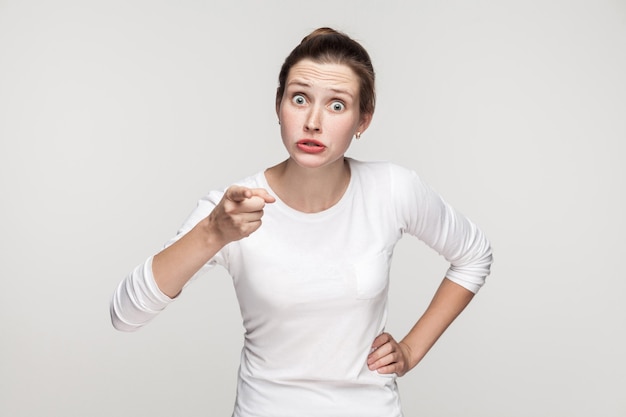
x: 326, y: 75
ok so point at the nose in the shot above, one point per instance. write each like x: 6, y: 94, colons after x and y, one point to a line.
x: 313, y: 122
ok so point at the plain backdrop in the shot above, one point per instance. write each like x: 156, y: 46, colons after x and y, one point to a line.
x: 117, y: 116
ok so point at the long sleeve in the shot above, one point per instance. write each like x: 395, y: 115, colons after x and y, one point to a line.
x: 137, y: 299
x: 424, y: 214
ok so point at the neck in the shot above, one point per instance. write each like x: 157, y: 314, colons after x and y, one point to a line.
x: 309, y: 190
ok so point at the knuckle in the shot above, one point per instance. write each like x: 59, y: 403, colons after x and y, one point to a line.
x: 228, y: 206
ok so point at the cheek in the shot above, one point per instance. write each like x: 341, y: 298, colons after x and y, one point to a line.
x: 284, y: 115
x: 345, y: 127
x: 287, y: 125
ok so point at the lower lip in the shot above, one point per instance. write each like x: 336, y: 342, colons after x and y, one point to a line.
x: 310, y: 148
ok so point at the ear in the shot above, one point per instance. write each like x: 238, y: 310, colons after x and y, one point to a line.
x: 366, y: 118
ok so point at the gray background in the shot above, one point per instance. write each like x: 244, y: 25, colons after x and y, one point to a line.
x: 116, y: 116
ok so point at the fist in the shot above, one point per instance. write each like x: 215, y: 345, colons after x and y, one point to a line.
x: 239, y: 213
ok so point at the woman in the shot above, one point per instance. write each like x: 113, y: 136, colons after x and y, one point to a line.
x: 308, y: 243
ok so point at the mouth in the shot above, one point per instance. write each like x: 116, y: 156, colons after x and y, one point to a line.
x: 310, y: 145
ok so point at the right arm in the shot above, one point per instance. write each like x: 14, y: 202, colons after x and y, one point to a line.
x: 236, y: 216
x: 150, y: 287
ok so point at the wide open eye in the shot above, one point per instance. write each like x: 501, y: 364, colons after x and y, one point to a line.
x: 298, y: 99
x: 337, y: 106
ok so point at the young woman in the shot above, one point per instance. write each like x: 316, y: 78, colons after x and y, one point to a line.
x: 308, y: 243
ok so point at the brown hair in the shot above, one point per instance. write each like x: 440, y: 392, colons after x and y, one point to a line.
x: 326, y: 45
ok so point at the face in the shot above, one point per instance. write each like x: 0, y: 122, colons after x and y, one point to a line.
x: 319, y: 113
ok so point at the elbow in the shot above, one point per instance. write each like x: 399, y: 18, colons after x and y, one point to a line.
x: 118, y: 323
x: 472, y: 273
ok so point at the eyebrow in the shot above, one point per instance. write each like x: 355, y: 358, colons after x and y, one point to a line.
x: 306, y: 84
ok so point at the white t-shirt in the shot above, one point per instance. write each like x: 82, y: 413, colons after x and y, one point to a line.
x: 312, y: 289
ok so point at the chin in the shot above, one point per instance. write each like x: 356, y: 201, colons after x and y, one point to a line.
x: 314, y: 161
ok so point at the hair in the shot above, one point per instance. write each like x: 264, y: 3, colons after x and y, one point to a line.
x: 326, y: 45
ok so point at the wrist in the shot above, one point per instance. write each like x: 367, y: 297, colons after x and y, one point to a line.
x: 410, y: 354
x: 211, y: 237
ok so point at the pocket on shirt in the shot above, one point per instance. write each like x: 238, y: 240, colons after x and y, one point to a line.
x: 372, y: 275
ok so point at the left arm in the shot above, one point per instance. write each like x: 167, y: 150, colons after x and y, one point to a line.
x: 424, y: 214
x: 390, y: 356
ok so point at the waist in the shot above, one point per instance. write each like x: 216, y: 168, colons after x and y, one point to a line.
x: 369, y: 394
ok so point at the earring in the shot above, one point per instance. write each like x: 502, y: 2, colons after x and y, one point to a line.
x: 358, y: 135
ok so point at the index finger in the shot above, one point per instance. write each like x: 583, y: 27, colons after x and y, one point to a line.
x: 237, y: 193
x: 380, y: 340
x: 262, y: 192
